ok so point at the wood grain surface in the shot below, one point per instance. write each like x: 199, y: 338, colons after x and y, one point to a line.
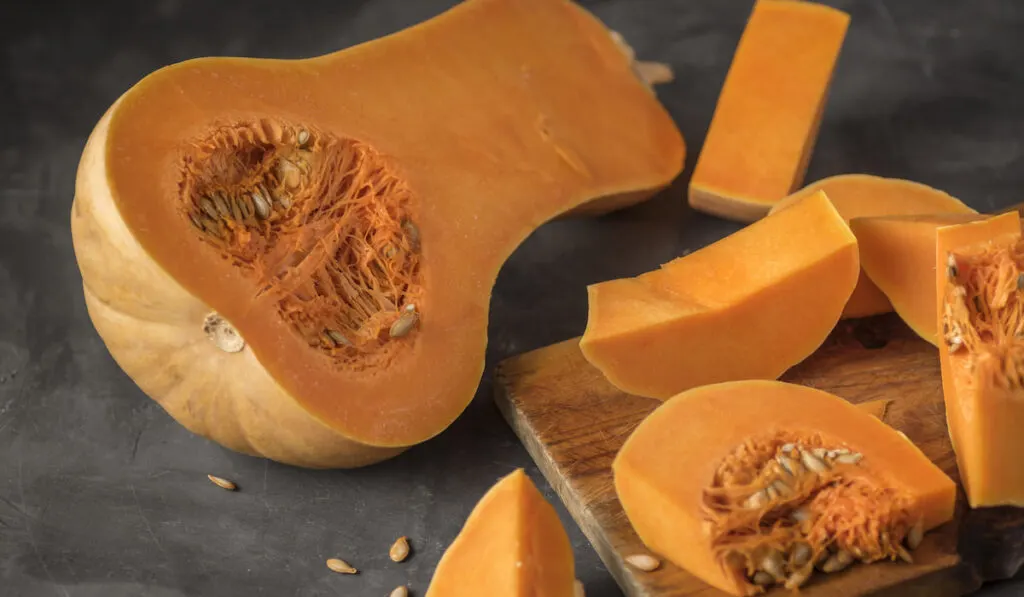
x: 572, y: 421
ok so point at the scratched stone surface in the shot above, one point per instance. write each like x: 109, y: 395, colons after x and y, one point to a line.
x: 103, y: 495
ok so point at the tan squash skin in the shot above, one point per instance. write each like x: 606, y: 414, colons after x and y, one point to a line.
x: 863, y: 195
x: 489, y: 157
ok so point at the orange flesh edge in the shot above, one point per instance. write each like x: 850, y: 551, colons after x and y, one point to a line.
x: 865, y: 195
x: 897, y: 253
x: 541, y: 78
x: 513, y: 544
x: 983, y: 411
x: 767, y: 116
x: 660, y: 478
x: 708, y: 316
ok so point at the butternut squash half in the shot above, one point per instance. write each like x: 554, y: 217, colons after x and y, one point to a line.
x: 512, y: 545
x: 754, y: 484
x: 749, y: 306
x: 769, y: 111
x: 295, y: 257
x: 863, y: 195
x: 979, y: 269
x: 896, y: 253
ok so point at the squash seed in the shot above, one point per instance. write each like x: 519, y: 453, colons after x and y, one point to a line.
x: 338, y: 338
x: 222, y: 483
x: 800, y: 514
x: 798, y: 578
x: 303, y: 138
x: 801, y: 555
x: 642, y: 561
x: 340, y: 566
x: 781, y: 488
x: 221, y: 204
x: 399, y: 550
x: 401, y: 591
x: 789, y: 465
x: 916, y: 534
x: 236, y: 211
x: 773, y: 564
x: 952, y: 271
x: 837, y: 562
x: 413, y: 232
x: 755, y: 500
x: 849, y: 458
x: 771, y: 493
x: 787, y: 448
x: 763, y: 579
x: 813, y: 463
x: 404, y: 324
x: 244, y: 208
x: 820, y: 452
x: 577, y: 588
x: 261, y: 204
x: 208, y: 207
x: 955, y: 344
x: 198, y: 225
x: 904, y: 554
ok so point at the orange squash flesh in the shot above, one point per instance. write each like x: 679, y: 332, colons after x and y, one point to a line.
x: 896, y: 252
x: 749, y: 306
x: 343, y: 219
x: 689, y: 478
x: 766, y: 121
x: 863, y: 195
x: 979, y: 270
x: 512, y: 545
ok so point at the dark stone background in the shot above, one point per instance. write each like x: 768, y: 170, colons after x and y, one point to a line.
x: 101, y: 494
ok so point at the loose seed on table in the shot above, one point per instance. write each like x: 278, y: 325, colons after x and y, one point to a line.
x: 642, y: 561
x: 340, y: 566
x: 222, y: 483
x: 399, y: 550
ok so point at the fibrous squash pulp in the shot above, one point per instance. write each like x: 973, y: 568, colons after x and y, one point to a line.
x: 979, y: 273
x: 864, y: 195
x: 512, y: 545
x: 295, y: 257
x: 749, y: 306
x: 751, y: 485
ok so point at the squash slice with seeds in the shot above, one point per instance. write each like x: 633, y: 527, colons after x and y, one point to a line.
x: 795, y: 483
x: 979, y: 273
x: 295, y: 257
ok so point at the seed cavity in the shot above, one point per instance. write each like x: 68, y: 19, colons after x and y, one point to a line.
x: 785, y: 506
x: 222, y: 483
x: 643, y: 562
x: 323, y: 226
x: 340, y: 566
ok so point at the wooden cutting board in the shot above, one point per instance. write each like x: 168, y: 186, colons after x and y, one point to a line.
x: 572, y: 421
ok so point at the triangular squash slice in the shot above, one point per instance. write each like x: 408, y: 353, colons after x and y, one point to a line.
x: 512, y: 545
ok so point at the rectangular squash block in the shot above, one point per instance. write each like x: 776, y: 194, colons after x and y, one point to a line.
x: 766, y: 122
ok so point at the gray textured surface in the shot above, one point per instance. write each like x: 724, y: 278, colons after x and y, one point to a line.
x: 101, y: 494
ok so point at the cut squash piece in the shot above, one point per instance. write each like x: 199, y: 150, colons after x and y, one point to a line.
x: 295, y: 258
x: 766, y: 121
x: 512, y: 545
x: 749, y: 306
x: 863, y: 195
x: 897, y: 253
x: 753, y: 484
x: 979, y: 269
